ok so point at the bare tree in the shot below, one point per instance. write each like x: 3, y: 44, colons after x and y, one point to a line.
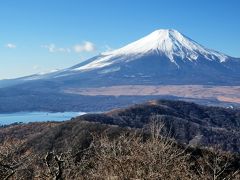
x: 130, y: 156
x: 11, y: 162
x: 215, y: 164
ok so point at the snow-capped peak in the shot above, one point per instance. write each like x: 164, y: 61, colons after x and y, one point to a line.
x: 171, y: 43
x: 168, y: 42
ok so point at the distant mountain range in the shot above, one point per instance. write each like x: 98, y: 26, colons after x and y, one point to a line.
x: 164, y: 57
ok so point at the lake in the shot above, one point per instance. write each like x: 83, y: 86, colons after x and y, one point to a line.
x: 26, y: 117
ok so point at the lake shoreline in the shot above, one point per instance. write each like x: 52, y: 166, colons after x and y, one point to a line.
x: 27, y: 117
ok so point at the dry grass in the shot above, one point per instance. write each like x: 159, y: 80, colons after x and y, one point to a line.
x: 222, y: 93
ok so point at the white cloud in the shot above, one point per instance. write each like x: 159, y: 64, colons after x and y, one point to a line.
x: 84, y: 47
x: 108, y: 48
x: 10, y: 46
x: 53, y: 48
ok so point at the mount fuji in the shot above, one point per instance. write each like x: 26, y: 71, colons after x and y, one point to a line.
x: 164, y: 57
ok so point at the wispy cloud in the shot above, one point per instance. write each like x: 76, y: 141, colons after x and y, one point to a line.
x: 108, y: 48
x: 10, y: 46
x: 53, y: 48
x: 86, y: 46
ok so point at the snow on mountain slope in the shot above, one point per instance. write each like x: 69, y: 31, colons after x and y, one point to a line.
x: 162, y: 57
x: 169, y: 43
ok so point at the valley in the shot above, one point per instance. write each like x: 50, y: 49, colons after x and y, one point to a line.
x: 229, y: 94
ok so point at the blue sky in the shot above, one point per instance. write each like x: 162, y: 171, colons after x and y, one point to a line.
x: 39, y: 36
